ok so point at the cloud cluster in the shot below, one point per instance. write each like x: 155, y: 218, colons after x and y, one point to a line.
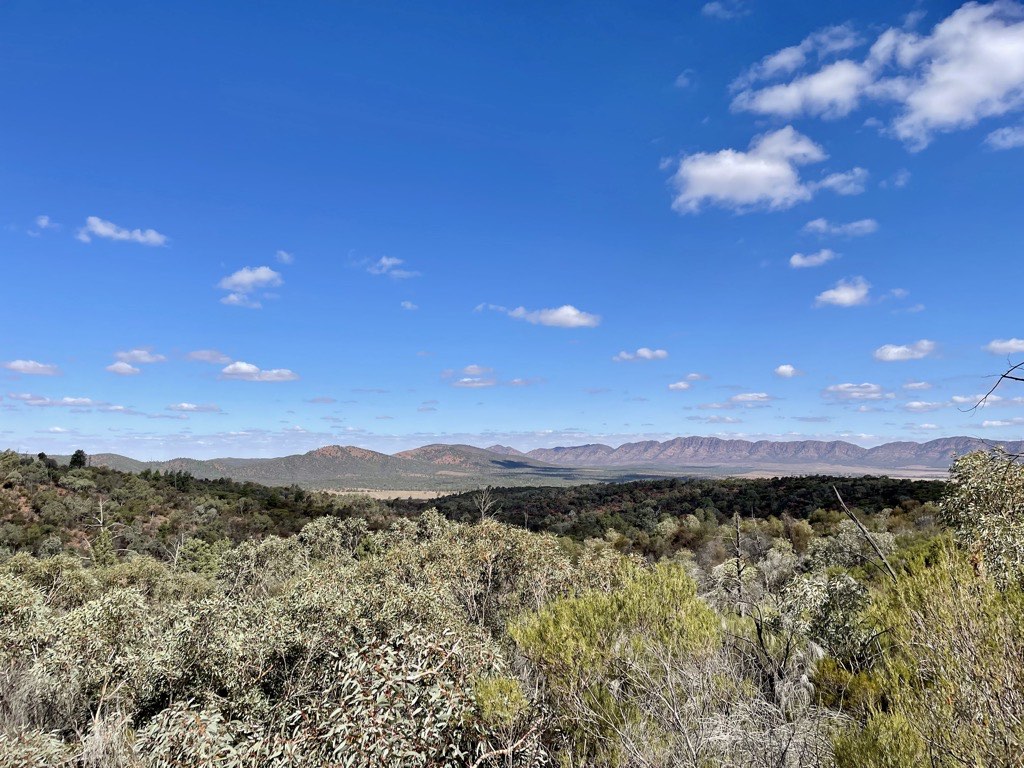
x: 97, y: 227
x: 766, y: 175
x: 890, y: 353
x: 245, y: 286
x: 845, y: 293
x: 32, y: 368
x: 565, y: 316
x: 644, y: 353
x: 969, y: 67
x: 242, y: 371
x: 1005, y: 346
x: 392, y: 267
x: 851, y: 229
x: 803, y: 261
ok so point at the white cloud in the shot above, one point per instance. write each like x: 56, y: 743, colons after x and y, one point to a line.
x: 890, y: 353
x: 45, y: 222
x: 249, y: 279
x: 801, y: 261
x: 194, y: 408
x: 852, y: 229
x: 764, y: 176
x: 474, y: 382
x: 823, y: 43
x: 846, y: 293
x: 922, y: 406
x: 976, y: 400
x: 32, y: 368
x: 97, y: 227
x: 121, y: 368
x: 392, y: 267
x: 1009, y: 137
x: 39, y: 401
x: 995, y: 423
x: 684, y: 79
x: 850, y: 182
x: 566, y: 316
x: 968, y: 68
x: 284, y: 257
x: 679, y: 386
x: 865, y: 391
x: 139, y: 356
x: 243, y: 284
x: 928, y: 427
x: 1005, y: 346
x: 724, y: 9
x: 833, y: 91
x: 243, y: 371
x: 787, y: 371
x: 696, y: 376
x: 644, y: 353
x: 408, y: 305
x: 209, y: 356
x: 476, y: 370
x: 58, y: 430
x: 917, y: 386
x: 751, y: 397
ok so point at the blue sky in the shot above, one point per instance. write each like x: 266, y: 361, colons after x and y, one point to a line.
x: 253, y: 229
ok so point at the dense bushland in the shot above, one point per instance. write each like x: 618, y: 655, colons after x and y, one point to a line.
x: 160, y: 621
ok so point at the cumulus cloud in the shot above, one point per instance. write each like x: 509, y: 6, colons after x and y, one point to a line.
x: 644, y: 353
x: 742, y: 400
x: 40, y: 401
x: 32, y: 368
x: 787, y: 371
x: 679, y: 386
x: 818, y: 45
x: 850, y: 391
x: 995, y: 423
x: 392, y: 267
x: 139, y: 356
x: 1005, y: 346
x: 209, y: 356
x: 243, y: 371
x: 565, y: 316
x: 97, y: 227
x: 857, y: 228
x: 724, y: 9
x: 803, y: 261
x: 922, y: 406
x: 244, y: 285
x: 968, y: 68
x: 1009, y: 137
x: 476, y: 370
x: 917, y: 386
x: 695, y: 376
x: 121, y: 368
x: 194, y: 408
x: 849, y: 182
x: 766, y: 175
x: 474, y: 382
x: 845, y: 293
x: 890, y: 353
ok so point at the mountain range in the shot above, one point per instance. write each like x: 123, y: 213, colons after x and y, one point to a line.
x: 458, y: 467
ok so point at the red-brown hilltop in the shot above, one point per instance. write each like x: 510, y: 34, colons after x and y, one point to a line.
x: 468, y: 457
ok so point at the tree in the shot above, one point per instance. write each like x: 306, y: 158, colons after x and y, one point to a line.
x: 78, y: 459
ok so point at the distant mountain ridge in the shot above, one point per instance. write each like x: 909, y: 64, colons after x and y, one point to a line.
x: 442, y: 466
x: 714, y: 451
